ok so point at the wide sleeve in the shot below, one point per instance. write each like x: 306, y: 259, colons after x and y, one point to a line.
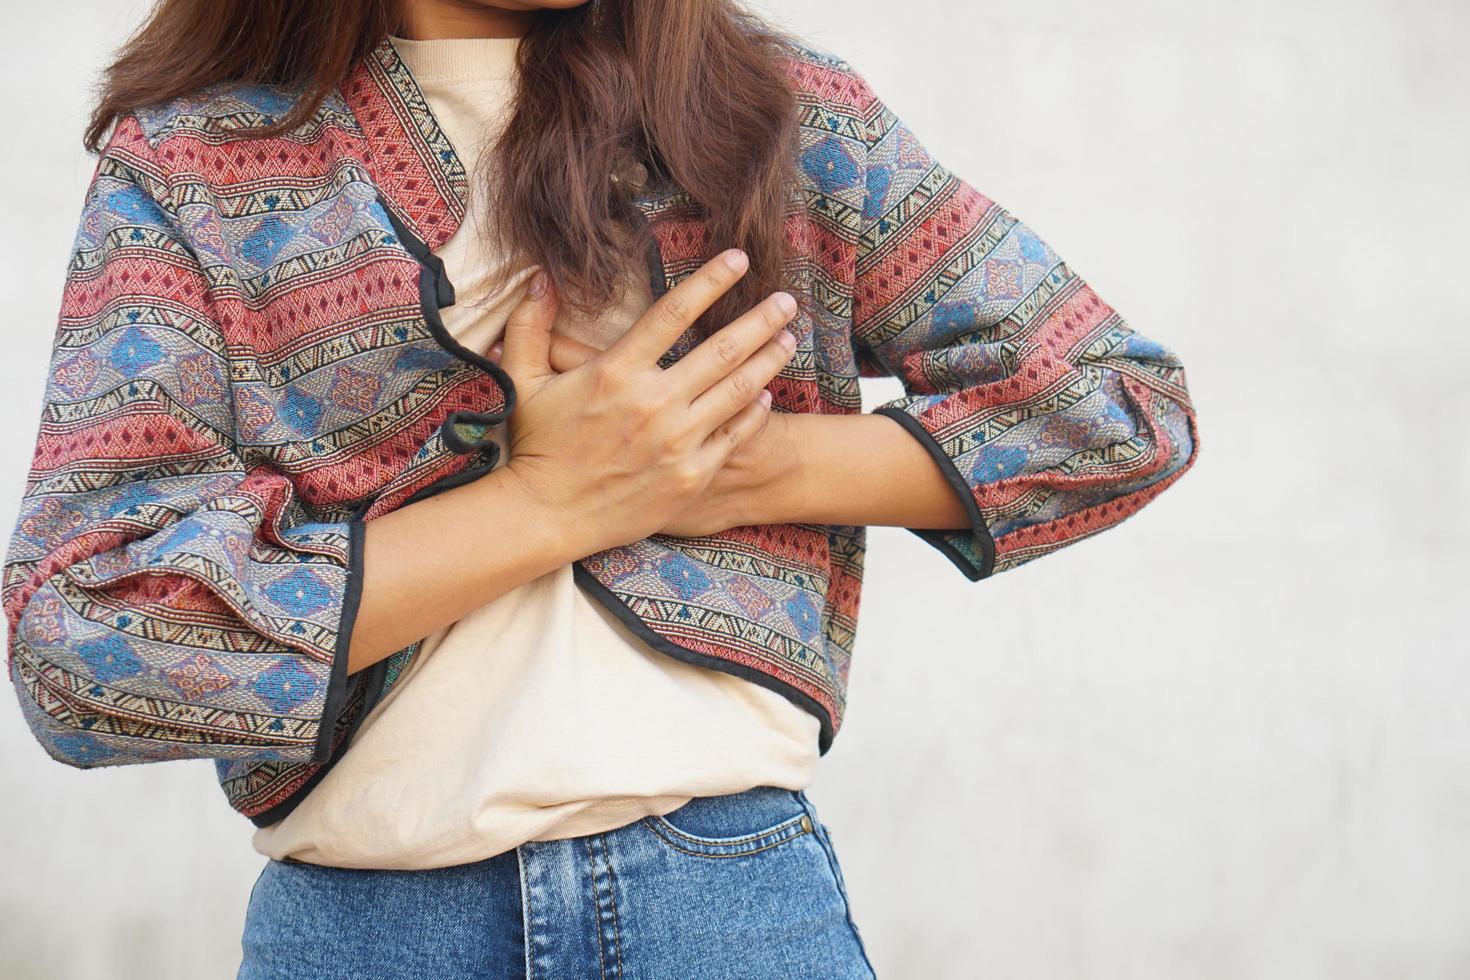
x: 1050, y: 417
x: 167, y: 596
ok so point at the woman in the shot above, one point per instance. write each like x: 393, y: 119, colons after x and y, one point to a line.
x: 473, y: 386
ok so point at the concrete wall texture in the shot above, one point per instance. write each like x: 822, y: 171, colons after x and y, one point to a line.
x: 1228, y: 739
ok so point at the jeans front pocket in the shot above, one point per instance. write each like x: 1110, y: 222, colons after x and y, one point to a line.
x: 733, y: 886
x: 733, y: 825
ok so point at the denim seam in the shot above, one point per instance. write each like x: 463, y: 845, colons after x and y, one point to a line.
x: 724, y: 841
x: 595, y: 871
x: 597, y: 903
x: 828, y: 850
x: 526, y: 931
x: 612, y: 901
x: 715, y: 855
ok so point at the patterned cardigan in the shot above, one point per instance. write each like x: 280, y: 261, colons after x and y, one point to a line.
x: 249, y: 364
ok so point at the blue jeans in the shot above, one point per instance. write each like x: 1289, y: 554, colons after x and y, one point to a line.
x: 744, y: 886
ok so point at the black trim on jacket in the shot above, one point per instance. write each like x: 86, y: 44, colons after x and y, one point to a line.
x: 664, y: 645
x: 936, y: 537
x: 337, y: 682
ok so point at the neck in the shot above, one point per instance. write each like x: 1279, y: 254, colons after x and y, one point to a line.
x: 426, y: 20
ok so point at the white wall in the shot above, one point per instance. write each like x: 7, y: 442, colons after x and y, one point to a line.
x: 1228, y: 739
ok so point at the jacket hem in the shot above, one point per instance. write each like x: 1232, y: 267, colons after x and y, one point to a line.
x: 373, y: 683
x: 337, y: 682
x: 938, y: 537
x: 664, y: 645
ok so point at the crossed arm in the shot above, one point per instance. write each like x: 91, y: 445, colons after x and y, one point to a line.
x: 815, y: 469
x: 836, y: 469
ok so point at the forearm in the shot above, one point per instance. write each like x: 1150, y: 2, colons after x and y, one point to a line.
x: 851, y: 469
x: 430, y: 563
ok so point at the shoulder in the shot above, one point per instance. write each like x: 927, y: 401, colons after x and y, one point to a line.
x: 186, y: 148
x: 227, y: 111
x: 249, y: 208
x: 821, y: 77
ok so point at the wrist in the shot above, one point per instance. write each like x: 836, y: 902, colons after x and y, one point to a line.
x: 507, y: 494
x: 778, y: 492
x: 838, y: 469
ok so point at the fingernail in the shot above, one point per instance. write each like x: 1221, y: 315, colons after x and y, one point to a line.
x: 786, y: 339
x: 786, y: 302
x: 735, y: 259
x: 496, y: 349
x: 538, y: 284
x: 765, y: 397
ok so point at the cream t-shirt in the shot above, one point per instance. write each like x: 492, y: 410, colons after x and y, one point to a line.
x: 539, y: 715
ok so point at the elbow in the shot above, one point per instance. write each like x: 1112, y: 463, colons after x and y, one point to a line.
x: 53, y: 703
x: 95, y: 700
x: 1179, y: 424
x: 1179, y: 445
x: 68, y: 715
x: 75, y: 735
x: 1155, y: 379
x: 54, y: 722
x: 1151, y: 401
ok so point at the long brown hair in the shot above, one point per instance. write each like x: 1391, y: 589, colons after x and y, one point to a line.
x: 694, y: 90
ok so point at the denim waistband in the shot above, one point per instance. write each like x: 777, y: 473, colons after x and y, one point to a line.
x: 742, y: 884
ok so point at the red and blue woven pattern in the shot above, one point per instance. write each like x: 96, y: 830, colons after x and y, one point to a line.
x: 249, y: 365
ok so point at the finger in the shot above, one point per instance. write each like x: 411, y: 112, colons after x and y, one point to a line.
x: 568, y: 354
x: 735, y: 431
x: 725, y: 350
x: 527, y: 344
x: 741, y: 386
x: 673, y: 312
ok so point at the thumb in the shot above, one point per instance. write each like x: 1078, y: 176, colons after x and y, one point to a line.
x: 526, y: 350
x: 566, y: 353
